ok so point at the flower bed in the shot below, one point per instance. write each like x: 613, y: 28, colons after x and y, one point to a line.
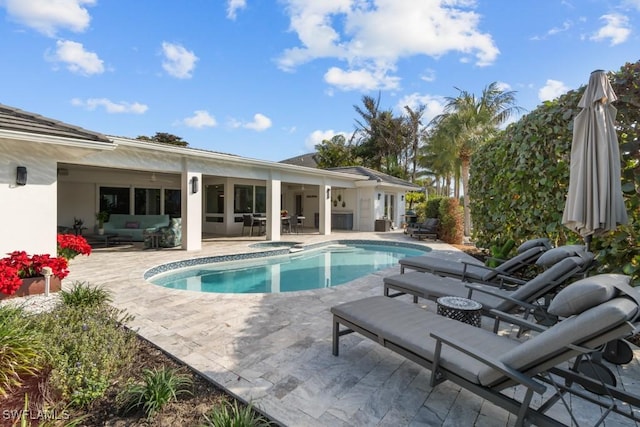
x: 19, y: 266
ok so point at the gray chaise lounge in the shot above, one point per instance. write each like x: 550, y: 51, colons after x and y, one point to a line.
x: 479, y: 273
x: 525, y: 296
x: 486, y: 363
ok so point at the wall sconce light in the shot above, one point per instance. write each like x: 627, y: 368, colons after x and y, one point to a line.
x: 194, y: 185
x: 379, y: 195
x: 21, y: 175
x: 328, y: 193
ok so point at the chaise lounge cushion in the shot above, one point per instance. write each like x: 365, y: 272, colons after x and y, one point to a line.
x: 409, y: 326
x: 554, y: 255
x: 586, y: 293
x: 576, y: 330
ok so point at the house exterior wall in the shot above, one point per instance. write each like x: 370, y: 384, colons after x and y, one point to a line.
x: 28, y: 214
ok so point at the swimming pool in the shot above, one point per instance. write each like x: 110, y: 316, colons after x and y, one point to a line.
x: 312, y: 268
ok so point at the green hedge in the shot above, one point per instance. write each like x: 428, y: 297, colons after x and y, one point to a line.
x: 519, y: 180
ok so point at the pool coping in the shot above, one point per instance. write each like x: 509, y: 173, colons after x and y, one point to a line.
x: 194, y: 262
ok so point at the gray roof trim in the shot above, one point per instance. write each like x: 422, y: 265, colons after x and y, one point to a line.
x: 16, y: 120
x: 374, y: 175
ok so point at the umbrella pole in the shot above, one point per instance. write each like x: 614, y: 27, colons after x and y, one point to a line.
x: 587, y: 242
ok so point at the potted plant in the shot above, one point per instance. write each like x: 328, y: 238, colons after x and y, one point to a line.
x: 101, y: 217
x: 22, y: 274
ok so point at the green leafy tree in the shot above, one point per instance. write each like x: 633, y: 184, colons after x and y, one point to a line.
x: 470, y: 122
x: 415, y: 134
x: 164, y: 138
x: 335, y: 153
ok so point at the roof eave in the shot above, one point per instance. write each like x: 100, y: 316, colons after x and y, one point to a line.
x: 57, y: 140
x: 190, y: 152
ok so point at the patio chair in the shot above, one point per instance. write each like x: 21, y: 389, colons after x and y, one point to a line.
x: 491, y: 365
x: 428, y: 229
x: 504, y: 274
x: 249, y: 221
x: 532, y: 297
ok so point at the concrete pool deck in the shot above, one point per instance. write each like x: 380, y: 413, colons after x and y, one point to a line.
x: 275, y: 349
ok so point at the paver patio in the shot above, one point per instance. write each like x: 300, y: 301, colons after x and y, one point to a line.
x: 275, y: 349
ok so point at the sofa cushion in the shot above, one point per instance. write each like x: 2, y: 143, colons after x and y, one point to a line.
x: 132, y: 224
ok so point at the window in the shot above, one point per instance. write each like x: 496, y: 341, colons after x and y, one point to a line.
x: 215, y: 199
x: 261, y: 199
x: 172, y: 203
x: 249, y: 199
x: 115, y: 200
x: 242, y: 199
x: 147, y: 201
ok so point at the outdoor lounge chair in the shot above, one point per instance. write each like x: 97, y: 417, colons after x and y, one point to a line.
x: 476, y: 272
x: 427, y: 229
x: 532, y: 296
x: 488, y: 364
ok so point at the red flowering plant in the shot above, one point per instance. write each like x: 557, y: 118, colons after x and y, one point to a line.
x: 70, y: 246
x: 19, y: 265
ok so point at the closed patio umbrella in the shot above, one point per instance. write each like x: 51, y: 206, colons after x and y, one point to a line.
x: 594, y: 202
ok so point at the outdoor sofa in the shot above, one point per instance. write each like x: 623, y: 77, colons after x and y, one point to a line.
x: 134, y: 225
x: 594, y: 312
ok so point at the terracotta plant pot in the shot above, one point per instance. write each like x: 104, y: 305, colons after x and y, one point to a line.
x: 34, y: 286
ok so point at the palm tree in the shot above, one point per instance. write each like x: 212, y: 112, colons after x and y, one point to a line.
x: 470, y: 122
x: 415, y: 133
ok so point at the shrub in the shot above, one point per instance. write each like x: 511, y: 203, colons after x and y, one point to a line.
x: 22, y: 349
x: 451, y: 221
x: 158, y: 387
x: 432, y: 209
x: 88, y: 346
x: 233, y: 415
x: 70, y: 246
x: 82, y: 294
x: 526, y: 199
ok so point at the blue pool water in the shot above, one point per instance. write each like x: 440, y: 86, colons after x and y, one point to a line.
x: 309, y: 269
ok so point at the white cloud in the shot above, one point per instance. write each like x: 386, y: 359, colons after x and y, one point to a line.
x: 360, y: 79
x: 317, y: 136
x: 434, y: 105
x: 50, y: 16
x: 200, y: 119
x: 233, y: 6
x: 374, y: 37
x: 260, y: 122
x: 110, y: 106
x: 76, y: 58
x: 616, y: 29
x: 503, y: 86
x: 551, y: 90
x: 429, y: 75
x: 178, y: 61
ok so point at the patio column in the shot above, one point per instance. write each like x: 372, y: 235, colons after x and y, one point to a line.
x: 324, y: 201
x: 274, y: 189
x: 191, y: 211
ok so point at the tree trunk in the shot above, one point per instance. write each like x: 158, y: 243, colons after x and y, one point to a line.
x: 465, y: 188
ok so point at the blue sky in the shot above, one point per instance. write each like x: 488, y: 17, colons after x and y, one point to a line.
x: 268, y: 79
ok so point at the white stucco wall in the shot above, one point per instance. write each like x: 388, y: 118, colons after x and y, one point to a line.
x: 28, y: 214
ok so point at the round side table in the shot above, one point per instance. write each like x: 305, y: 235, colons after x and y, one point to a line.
x: 461, y: 309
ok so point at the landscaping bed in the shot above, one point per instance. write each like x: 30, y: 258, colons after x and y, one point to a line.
x: 78, y: 364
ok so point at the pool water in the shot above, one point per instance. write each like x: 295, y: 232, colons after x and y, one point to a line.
x: 310, y: 269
